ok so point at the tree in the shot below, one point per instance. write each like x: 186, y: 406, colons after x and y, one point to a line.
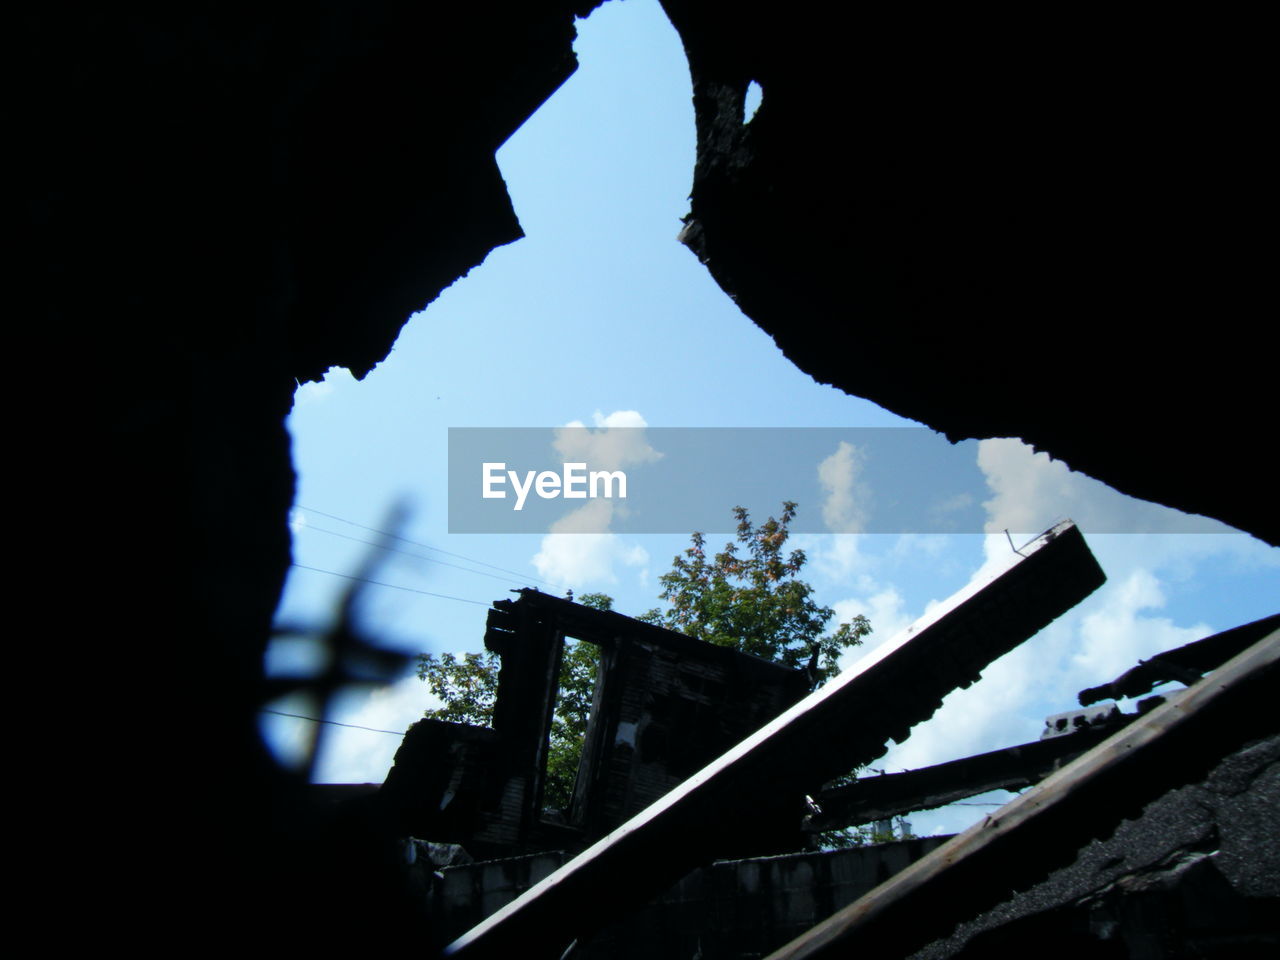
x: 748, y: 597
x: 755, y: 602
x: 468, y: 687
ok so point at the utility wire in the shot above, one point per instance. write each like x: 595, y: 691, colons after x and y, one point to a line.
x: 409, y: 553
x: 354, y: 726
x: 427, y: 546
x: 393, y: 586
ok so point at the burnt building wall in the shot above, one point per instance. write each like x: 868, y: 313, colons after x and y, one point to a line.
x: 664, y: 706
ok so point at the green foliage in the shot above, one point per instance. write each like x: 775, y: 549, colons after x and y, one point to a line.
x: 748, y: 597
x: 468, y: 687
x: 600, y: 601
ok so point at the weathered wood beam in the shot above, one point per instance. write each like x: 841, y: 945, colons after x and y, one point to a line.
x: 892, y: 794
x: 718, y: 811
x: 1044, y: 827
x: 1184, y: 664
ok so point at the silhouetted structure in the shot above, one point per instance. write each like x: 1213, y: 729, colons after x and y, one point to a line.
x: 213, y: 191
x: 664, y: 706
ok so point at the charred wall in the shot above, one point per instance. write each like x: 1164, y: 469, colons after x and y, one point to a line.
x: 217, y: 201
x: 1197, y: 875
x: 1039, y: 226
x: 664, y: 706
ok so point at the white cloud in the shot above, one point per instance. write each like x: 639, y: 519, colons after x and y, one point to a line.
x: 1031, y: 492
x: 581, y: 560
x: 365, y: 756
x: 930, y: 546
x: 845, y: 508
x: 1176, y: 557
x: 580, y: 551
x: 888, y: 615
x: 952, y: 504
x: 836, y: 556
x: 996, y: 712
x: 618, y: 441
x: 1095, y: 642
x: 1114, y: 637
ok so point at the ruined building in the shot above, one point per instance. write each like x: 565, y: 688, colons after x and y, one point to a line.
x: 269, y: 191
x: 664, y: 706
x: 684, y: 868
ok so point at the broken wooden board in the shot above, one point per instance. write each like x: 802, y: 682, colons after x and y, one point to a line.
x: 892, y: 794
x: 1185, y: 664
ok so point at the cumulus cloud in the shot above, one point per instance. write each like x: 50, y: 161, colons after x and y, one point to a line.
x: 1031, y: 492
x: 580, y: 551
x: 837, y: 556
x: 1116, y: 635
x: 845, y: 508
x: 926, y: 546
x: 999, y: 711
x: 1104, y: 636
x: 956, y: 503
x: 887, y: 612
x: 364, y: 756
x: 578, y: 554
x: 618, y: 441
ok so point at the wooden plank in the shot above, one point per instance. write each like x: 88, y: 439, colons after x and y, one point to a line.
x: 1019, y: 843
x: 889, y: 795
x: 1185, y: 664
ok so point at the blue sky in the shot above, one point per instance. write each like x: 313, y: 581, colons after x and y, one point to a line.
x: 600, y: 316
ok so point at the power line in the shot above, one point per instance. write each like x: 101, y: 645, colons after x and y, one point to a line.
x: 393, y: 586
x: 427, y: 546
x: 354, y: 726
x: 408, y: 553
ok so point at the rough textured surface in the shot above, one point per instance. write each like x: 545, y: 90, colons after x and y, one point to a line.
x: 1226, y: 825
x: 734, y: 909
x: 461, y: 896
x: 931, y: 206
x: 223, y: 199
x: 1179, y: 743
x: 728, y: 909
